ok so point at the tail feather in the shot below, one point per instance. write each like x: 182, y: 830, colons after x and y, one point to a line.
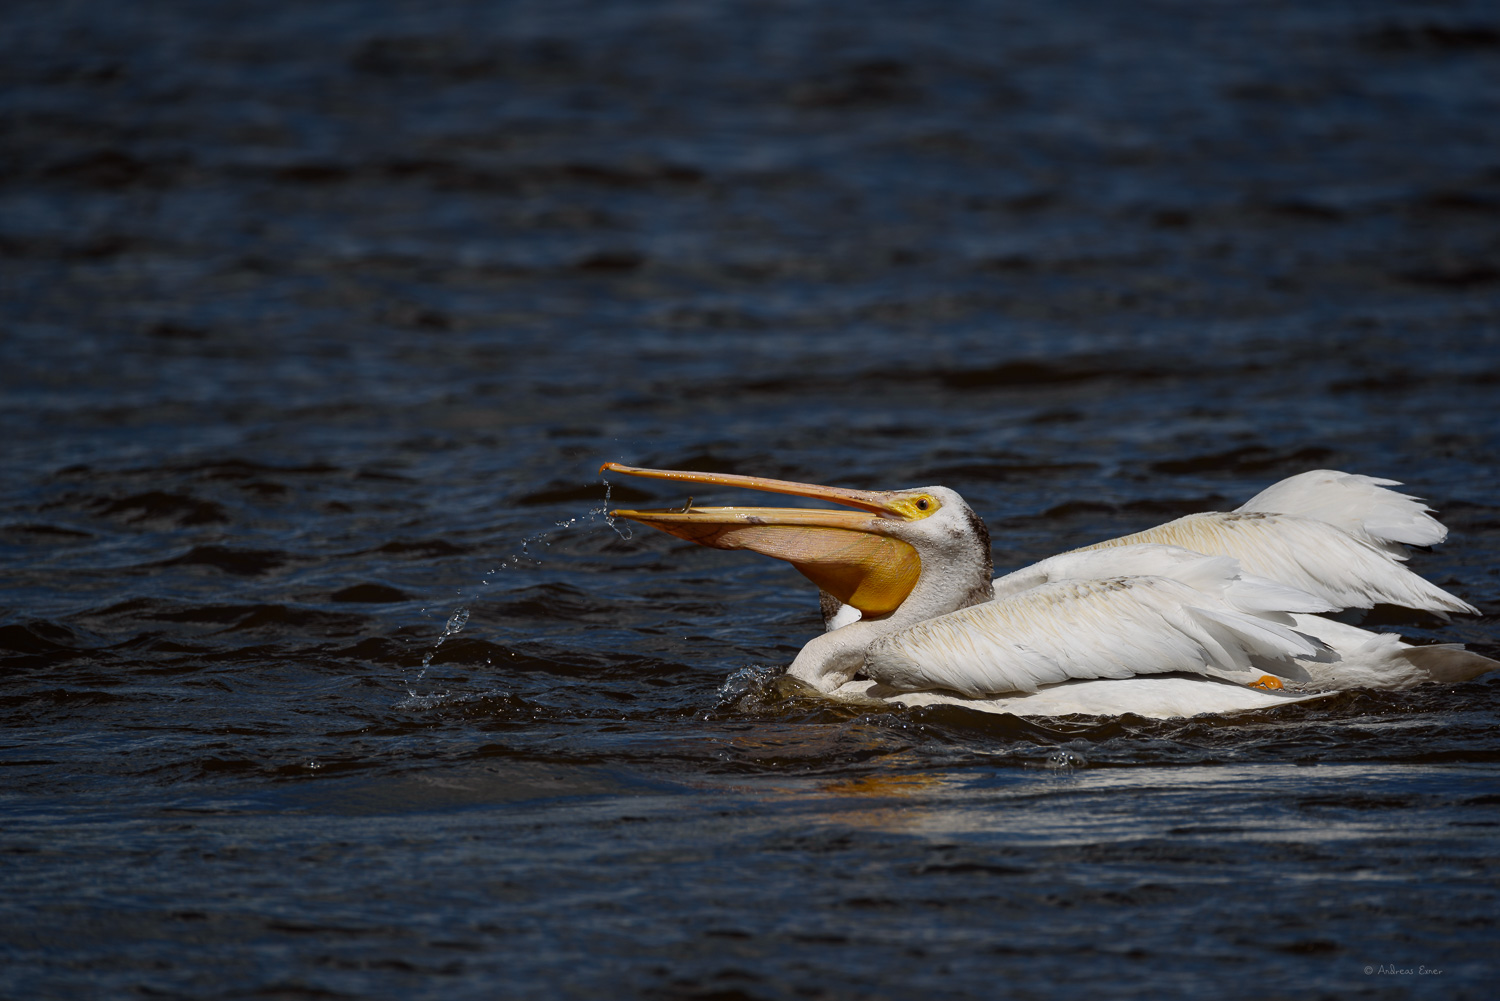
x: 1365, y: 659
x: 1449, y: 663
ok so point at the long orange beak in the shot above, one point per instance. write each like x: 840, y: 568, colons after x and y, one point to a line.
x: 846, y: 553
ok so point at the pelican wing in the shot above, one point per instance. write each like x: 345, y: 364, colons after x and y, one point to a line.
x: 1064, y: 630
x: 1360, y: 505
x: 1306, y: 553
x: 1222, y: 575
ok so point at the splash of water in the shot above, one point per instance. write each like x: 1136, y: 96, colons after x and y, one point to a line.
x: 1065, y: 759
x: 752, y: 680
x: 524, y: 557
x: 751, y: 689
x: 594, y: 513
x: 456, y: 623
x: 521, y: 558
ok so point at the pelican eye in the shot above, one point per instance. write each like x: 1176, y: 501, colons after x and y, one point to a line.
x: 919, y: 507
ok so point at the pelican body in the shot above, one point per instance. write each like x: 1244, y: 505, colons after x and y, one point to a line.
x: 1214, y: 612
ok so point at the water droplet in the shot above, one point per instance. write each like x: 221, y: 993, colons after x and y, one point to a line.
x: 518, y: 560
x: 456, y: 621
x: 623, y: 531
x: 1061, y: 758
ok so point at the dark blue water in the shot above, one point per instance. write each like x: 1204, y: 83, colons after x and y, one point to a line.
x: 318, y: 320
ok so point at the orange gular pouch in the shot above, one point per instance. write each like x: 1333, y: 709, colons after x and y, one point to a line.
x: 873, y: 573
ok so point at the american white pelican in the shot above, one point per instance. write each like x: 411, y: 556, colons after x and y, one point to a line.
x: 1208, y: 613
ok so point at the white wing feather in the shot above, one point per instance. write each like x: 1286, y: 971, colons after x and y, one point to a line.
x: 1360, y: 505
x: 1118, y: 627
x: 1306, y: 553
x: 1246, y: 592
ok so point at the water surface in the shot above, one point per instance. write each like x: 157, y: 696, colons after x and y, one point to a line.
x: 324, y: 674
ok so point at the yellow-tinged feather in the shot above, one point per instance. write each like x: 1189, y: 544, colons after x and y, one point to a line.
x: 1305, y: 553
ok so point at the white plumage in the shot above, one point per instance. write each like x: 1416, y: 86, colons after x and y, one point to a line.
x: 1201, y: 614
x: 1351, y: 570
x: 1358, y: 505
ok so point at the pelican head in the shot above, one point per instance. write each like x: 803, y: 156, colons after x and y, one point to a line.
x: 899, y: 557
